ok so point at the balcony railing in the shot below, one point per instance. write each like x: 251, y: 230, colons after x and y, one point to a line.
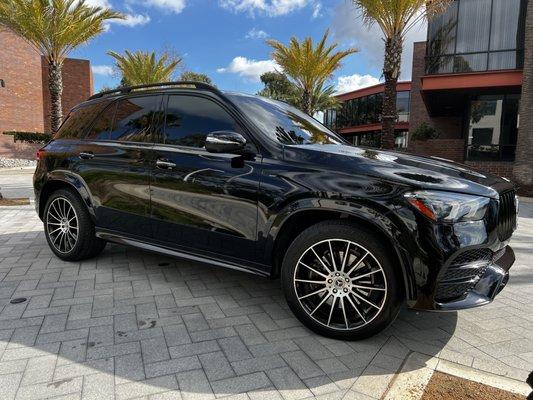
x: 488, y: 152
x: 475, y: 62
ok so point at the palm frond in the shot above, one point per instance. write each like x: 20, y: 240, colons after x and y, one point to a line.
x: 308, y: 65
x: 141, y: 67
x: 54, y: 27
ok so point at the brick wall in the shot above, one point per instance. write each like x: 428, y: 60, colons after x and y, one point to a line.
x: 77, y: 86
x: 24, y: 101
x: 451, y: 149
x: 21, y: 100
x: 448, y: 127
x: 498, y: 168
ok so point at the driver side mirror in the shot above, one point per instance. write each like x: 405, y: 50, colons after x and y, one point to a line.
x: 225, y: 142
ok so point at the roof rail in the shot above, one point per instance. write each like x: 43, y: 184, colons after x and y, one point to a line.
x: 129, y: 89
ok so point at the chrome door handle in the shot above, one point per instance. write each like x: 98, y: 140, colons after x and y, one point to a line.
x: 164, y: 164
x: 86, y: 155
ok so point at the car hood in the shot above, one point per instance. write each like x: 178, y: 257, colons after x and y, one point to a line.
x: 416, y: 171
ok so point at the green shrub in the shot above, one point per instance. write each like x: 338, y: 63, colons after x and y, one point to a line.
x: 29, y: 137
x: 424, y: 132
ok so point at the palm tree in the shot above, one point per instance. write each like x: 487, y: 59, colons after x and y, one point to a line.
x: 308, y: 66
x: 196, y: 77
x: 523, y: 169
x: 139, y: 68
x: 54, y: 28
x: 395, y: 18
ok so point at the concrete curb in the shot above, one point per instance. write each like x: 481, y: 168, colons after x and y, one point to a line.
x: 417, y: 370
x: 21, y: 169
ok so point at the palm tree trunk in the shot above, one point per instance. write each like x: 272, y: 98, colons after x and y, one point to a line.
x: 55, y: 85
x: 391, y: 72
x: 523, y: 169
x: 306, y: 101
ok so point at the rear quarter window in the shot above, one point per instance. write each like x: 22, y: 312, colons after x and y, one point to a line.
x: 78, y: 120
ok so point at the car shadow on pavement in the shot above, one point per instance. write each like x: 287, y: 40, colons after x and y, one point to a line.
x: 138, y: 323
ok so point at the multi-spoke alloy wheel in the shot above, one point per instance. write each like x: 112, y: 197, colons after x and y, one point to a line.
x: 62, y: 225
x: 340, y: 284
x: 340, y: 280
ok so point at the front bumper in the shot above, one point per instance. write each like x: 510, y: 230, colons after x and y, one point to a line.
x: 489, y: 285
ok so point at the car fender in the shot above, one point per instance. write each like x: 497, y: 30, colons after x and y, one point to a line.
x: 373, y: 214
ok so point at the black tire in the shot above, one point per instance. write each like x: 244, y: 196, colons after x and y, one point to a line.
x: 377, y: 265
x: 70, y: 246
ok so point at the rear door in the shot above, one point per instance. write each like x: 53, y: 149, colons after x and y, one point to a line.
x: 200, y: 200
x: 115, y: 162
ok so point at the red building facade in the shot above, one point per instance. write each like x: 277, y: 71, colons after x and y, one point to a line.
x: 24, y: 95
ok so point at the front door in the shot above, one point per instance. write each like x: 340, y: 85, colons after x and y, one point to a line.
x: 203, y: 201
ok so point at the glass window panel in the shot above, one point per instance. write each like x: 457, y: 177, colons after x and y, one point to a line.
x: 473, y: 26
x: 470, y: 62
x: 441, y: 32
x: 402, y: 102
x: 134, y: 117
x: 284, y: 123
x: 504, y: 31
x: 102, y: 125
x: 440, y: 65
x: 493, y: 128
x: 190, y: 119
x: 503, y: 60
x: 78, y: 120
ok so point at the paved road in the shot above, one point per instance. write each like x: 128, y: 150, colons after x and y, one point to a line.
x: 17, y: 183
x: 134, y: 325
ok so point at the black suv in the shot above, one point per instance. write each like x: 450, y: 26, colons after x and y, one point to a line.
x: 252, y: 184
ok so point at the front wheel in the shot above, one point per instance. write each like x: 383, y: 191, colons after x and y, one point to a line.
x: 340, y: 282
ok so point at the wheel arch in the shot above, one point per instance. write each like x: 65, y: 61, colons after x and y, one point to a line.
x: 378, y: 223
x: 65, y: 180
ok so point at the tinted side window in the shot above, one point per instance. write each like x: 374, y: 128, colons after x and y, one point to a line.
x: 102, y: 125
x: 134, y: 119
x: 77, y: 121
x: 189, y: 119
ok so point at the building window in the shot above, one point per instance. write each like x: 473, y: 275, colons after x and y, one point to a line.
x: 366, y: 110
x: 493, y: 128
x: 477, y: 35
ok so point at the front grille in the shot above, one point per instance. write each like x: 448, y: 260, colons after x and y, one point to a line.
x: 463, y: 274
x: 506, y: 215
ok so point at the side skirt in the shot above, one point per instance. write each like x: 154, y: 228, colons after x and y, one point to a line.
x: 116, y: 238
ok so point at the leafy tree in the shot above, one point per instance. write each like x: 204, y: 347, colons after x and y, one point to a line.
x: 395, y: 18
x: 54, y: 28
x: 196, y: 77
x: 277, y: 87
x: 308, y: 66
x: 139, y: 67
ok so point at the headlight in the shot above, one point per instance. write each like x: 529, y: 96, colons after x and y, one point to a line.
x: 449, y: 207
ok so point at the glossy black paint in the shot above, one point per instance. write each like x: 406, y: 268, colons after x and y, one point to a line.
x: 234, y: 209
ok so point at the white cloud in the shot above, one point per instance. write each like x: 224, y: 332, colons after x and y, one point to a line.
x: 106, y: 70
x: 132, y: 20
x: 349, y: 28
x: 98, y: 3
x: 256, y: 34
x: 354, y: 82
x: 272, y: 8
x: 249, y: 69
x: 317, y: 10
x: 175, y: 6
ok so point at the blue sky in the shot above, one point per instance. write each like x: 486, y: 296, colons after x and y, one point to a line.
x: 225, y: 39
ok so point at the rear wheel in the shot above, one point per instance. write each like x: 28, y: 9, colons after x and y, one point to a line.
x: 68, y: 227
x: 339, y: 281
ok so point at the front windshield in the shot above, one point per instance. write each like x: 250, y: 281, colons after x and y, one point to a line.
x: 284, y: 123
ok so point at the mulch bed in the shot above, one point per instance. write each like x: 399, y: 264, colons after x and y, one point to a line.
x: 447, y: 387
x: 14, y: 202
